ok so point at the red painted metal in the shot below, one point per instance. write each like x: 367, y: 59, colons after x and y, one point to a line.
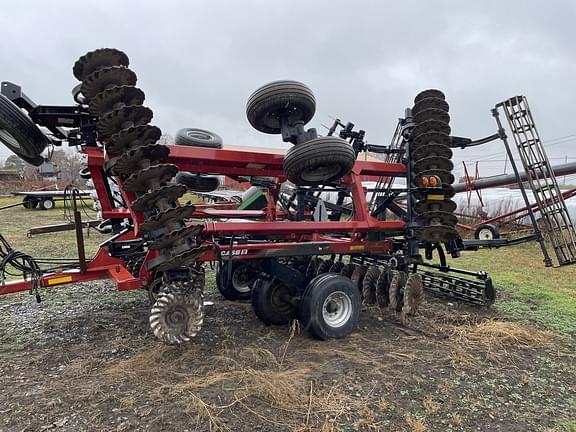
x: 103, y: 266
x: 286, y: 237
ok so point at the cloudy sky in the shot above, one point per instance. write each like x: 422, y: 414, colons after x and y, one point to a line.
x: 198, y: 61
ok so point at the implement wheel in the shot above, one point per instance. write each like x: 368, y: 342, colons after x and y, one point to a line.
x: 330, y: 306
x: 274, y: 303
x: 238, y: 285
x: 290, y: 100
x: 486, y: 232
x: 19, y: 133
x: 319, y: 161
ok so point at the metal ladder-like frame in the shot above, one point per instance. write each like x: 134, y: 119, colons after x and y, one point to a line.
x: 541, y: 178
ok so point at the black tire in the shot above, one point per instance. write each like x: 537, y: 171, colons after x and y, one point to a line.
x: 197, y: 183
x: 29, y: 202
x: 277, y: 99
x: 47, y: 204
x: 486, y: 232
x: 330, y: 306
x: 19, y: 133
x: 235, y: 284
x: 198, y: 138
x: 319, y: 161
x: 273, y: 302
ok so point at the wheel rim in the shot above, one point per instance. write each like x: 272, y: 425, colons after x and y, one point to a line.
x: 241, y: 280
x: 337, y: 309
x: 320, y: 173
x: 7, y: 139
x: 48, y: 205
x: 485, y: 234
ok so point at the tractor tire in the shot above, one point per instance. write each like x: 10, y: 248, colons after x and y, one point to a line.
x: 198, y: 138
x: 237, y: 286
x: 272, y: 301
x: 486, y: 232
x: 47, y: 204
x: 20, y: 134
x: 197, y: 182
x: 280, y: 98
x: 330, y: 306
x: 319, y: 161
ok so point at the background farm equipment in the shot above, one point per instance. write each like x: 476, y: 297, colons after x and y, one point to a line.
x: 294, y: 254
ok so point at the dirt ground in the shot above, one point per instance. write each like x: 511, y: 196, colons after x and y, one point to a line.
x: 85, y: 359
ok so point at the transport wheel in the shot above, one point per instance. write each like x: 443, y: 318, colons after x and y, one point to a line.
x: 290, y: 100
x: 197, y: 182
x: 198, y: 138
x: 274, y: 303
x: 29, y: 202
x: 369, y: 285
x: 236, y: 285
x: 19, y: 133
x: 330, y: 306
x: 396, y: 290
x: 486, y: 232
x: 319, y: 161
x: 47, y: 204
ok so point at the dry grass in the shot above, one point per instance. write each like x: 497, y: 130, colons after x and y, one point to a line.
x: 416, y: 425
x: 496, y: 334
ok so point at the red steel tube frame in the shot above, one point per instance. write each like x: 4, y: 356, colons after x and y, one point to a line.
x: 233, y: 163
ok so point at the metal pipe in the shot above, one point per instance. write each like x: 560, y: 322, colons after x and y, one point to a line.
x: 508, y: 179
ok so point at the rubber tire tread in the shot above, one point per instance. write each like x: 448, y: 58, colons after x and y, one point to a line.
x: 182, y: 138
x: 310, y: 311
x: 269, y: 94
x: 30, y: 138
x: 261, y: 306
x: 320, y: 151
x: 226, y: 287
x: 198, y: 183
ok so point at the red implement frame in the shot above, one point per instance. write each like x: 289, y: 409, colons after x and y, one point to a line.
x: 291, y: 238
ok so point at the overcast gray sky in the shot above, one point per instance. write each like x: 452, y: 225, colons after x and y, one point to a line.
x: 198, y: 61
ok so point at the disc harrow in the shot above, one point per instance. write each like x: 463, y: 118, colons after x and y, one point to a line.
x: 303, y: 253
x: 432, y: 166
x: 135, y: 157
